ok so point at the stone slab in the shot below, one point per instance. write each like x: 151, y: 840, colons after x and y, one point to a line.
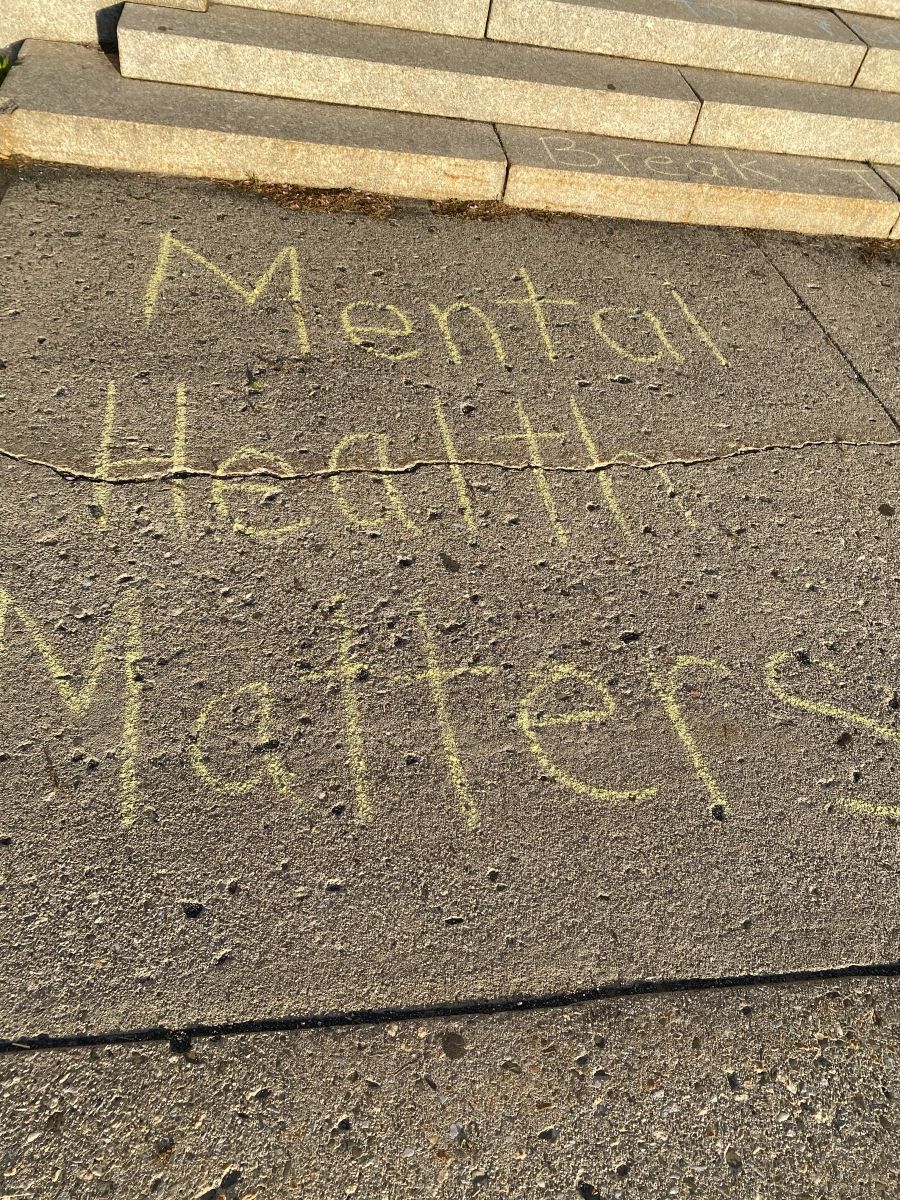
x: 783, y: 117
x: 881, y: 67
x: 72, y: 106
x: 87, y: 21
x: 342, y: 63
x: 752, y: 36
x: 852, y: 291
x: 620, y: 178
x: 512, y: 724
x: 462, y: 18
x: 775, y: 1092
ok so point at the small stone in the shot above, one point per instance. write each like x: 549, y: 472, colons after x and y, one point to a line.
x: 453, y: 1044
x: 192, y: 908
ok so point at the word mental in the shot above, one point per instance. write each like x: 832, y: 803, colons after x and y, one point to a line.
x: 398, y: 334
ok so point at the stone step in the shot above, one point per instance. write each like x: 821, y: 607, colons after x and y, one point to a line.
x: 619, y: 178
x: 68, y: 104
x: 881, y: 66
x: 278, y: 54
x: 744, y: 112
x: 756, y: 37
x: 462, y: 18
x: 89, y: 21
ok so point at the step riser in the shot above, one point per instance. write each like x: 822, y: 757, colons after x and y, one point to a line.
x: 174, y: 59
x: 881, y: 68
x: 684, y: 42
x: 532, y: 188
x: 737, y: 116
x: 202, y: 154
x: 772, y: 130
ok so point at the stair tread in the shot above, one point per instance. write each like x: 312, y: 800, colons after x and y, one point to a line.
x: 67, y: 103
x: 744, y: 112
x: 340, y: 63
x: 757, y: 36
x: 462, y: 18
x: 616, y: 177
x: 408, y: 48
x: 80, y: 85
x: 881, y: 66
x: 877, y: 8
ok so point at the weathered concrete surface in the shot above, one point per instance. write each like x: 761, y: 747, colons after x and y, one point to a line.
x: 878, y: 8
x: 69, y: 104
x: 852, y: 291
x: 494, y: 722
x: 773, y: 1093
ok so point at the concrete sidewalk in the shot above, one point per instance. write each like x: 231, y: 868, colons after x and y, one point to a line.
x: 401, y: 608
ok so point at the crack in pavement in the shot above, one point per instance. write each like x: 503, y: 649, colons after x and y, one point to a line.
x: 829, y: 336
x: 632, y: 462
x: 180, y: 1039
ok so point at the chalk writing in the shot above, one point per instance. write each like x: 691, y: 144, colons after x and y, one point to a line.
x: 379, y: 327
x: 124, y: 626
x: 362, y: 335
x: 168, y: 244
x: 250, y: 459
x: 381, y: 442
x: 537, y: 303
x: 443, y: 315
x: 532, y: 440
x: 824, y: 708
x: 604, y: 479
x: 108, y: 468
x: 692, y: 320
x: 347, y: 673
x: 666, y: 347
x: 453, y: 462
x: 437, y: 677
x: 533, y: 718
x: 272, y: 764
x: 666, y: 688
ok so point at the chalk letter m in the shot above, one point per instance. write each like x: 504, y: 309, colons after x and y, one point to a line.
x: 168, y: 243
x: 124, y: 626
